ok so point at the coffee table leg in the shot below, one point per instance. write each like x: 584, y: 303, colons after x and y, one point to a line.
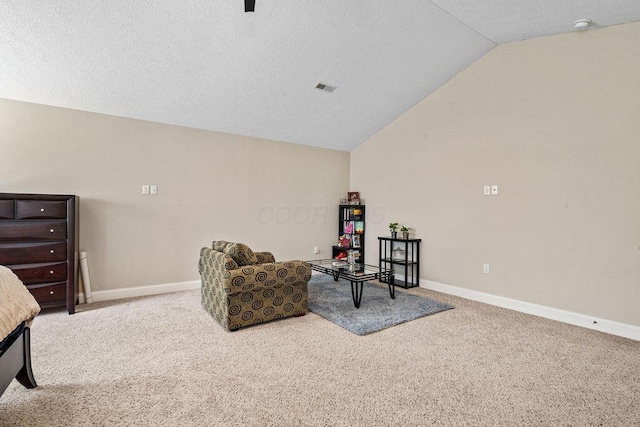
x: 356, y: 293
x: 392, y: 288
x: 335, y: 276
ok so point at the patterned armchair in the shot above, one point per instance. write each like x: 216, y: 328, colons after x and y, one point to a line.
x: 242, y: 288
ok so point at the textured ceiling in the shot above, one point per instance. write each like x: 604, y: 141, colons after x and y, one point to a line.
x: 209, y: 65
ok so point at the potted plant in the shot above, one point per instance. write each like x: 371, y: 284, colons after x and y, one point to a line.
x: 393, y: 228
x: 405, y: 232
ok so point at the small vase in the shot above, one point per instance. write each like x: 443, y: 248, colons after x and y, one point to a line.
x: 405, y: 235
x: 394, y: 234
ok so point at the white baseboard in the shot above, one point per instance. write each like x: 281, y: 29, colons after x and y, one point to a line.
x: 140, y: 291
x: 590, y: 322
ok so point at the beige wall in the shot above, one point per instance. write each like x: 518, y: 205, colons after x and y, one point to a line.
x: 271, y: 195
x: 555, y: 122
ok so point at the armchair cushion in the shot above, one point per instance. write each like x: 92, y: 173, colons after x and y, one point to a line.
x: 219, y: 245
x: 264, y: 257
x: 241, y: 254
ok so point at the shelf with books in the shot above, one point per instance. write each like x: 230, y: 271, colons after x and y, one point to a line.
x: 351, y: 231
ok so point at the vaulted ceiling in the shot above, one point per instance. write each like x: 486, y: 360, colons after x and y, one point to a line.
x: 207, y: 64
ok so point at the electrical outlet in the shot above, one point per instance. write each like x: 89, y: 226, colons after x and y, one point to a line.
x: 145, y: 189
x: 316, y: 250
x: 494, y: 190
x: 485, y: 268
x: 154, y: 189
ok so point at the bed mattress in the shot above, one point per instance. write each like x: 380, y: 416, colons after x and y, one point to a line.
x: 17, y: 305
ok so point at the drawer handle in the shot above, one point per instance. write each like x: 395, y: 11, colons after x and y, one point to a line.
x: 42, y: 210
x: 50, y: 292
x: 51, y: 230
x: 50, y: 271
x: 51, y: 251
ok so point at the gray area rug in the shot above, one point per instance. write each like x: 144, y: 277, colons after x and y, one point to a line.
x: 332, y: 300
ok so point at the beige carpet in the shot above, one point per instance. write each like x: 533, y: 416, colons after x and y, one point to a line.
x: 162, y: 361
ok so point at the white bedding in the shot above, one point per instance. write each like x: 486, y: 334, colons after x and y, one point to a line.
x: 17, y: 305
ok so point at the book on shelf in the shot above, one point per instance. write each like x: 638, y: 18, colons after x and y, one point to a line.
x: 353, y: 214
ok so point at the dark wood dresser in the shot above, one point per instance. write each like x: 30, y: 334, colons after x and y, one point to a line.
x: 39, y: 242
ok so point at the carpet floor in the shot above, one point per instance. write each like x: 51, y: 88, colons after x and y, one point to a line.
x: 162, y: 361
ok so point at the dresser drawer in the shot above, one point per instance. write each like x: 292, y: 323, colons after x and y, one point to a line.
x: 26, y: 209
x: 52, y: 292
x: 6, y: 209
x: 38, y: 273
x: 21, y: 231
x: 30, y: 253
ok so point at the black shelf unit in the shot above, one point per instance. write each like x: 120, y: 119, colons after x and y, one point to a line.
x: 411, y: 261
x: 354, y: 215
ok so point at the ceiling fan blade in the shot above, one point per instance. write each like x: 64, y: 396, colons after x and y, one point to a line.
x: 249, y: 5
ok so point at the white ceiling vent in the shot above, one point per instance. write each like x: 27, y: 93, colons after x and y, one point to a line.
x: 325, y: 87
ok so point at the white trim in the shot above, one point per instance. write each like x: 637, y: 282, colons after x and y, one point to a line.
x: 140, y: 291
x: 583, y: 320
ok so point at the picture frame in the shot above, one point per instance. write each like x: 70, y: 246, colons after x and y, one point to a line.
x: 356, y: 241
x: 353, y: 195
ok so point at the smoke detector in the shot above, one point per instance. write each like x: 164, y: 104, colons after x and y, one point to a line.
x: 581, y: 24
x: 325, y: 87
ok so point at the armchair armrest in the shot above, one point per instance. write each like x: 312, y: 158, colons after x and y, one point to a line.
x: 269, y: 274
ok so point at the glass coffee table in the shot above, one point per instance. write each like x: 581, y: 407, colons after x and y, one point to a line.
x: 357, y: 274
